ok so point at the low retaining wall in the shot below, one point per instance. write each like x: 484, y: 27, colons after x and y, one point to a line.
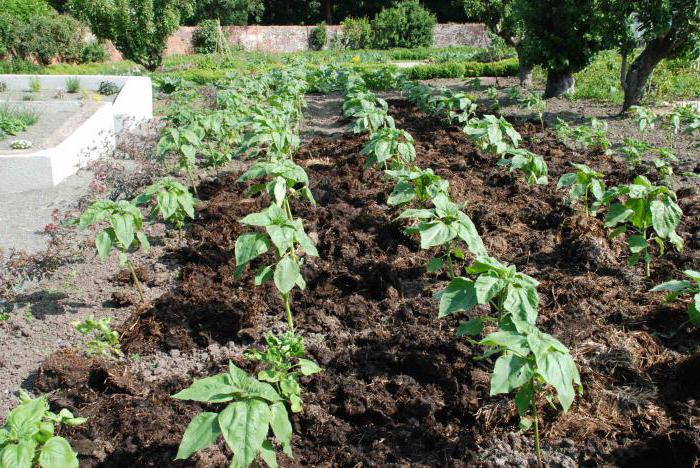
x: 25, y: 170
x: 296, y: 38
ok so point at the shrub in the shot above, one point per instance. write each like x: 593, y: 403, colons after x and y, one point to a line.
x: 94, y: 51
x: 107, y: 88
x: 205, y: 39
x: 23, y: 10
x: 18, y: 66
x: 356, y: 33
x: 46, y: 38
x: 508, y: 67
x: 73, y: 85
x: 319, y: 37
x: 407, y: 24
x: 9, y: 29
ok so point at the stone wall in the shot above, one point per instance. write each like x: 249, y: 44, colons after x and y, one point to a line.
x: 296, y: 38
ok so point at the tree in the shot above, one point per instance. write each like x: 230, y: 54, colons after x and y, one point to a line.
x: 562, y: 36
x: 408, y: 24
x: 666, y: 29
x: 228, y: 12
x: 139, y: 29
x: 503, y: 19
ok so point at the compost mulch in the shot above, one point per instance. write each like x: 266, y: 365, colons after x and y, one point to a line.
x: 397, y: 387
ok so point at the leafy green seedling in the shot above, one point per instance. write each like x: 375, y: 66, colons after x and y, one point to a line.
x: 174, y: 203
x: 531, y: 363
x: 186, y: 142
x: 650, y: 212
x: 455, y: 107
x: 27, y: 439
x: 416, y: 184
x: 253, y: 409
x: 530, y: 164
x: 285, y: 179
x: 286, y: 235
x: 633, y: 151
x: 584, y: 184
x: 534, y: 102
x: 493, y: 134
x: 123, y: 232
x: 285, y: 363
x: 645, y: 118
x: 505, y: 290
x: 689, y: 287
x: 371, y: 120
x: 441, y: 226
x: 390, y: 145
x: 105, y: 341
x: 492, y: 95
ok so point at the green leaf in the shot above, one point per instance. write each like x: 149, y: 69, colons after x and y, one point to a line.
x: 286, y: 274
x: 18, y: 455
x: 402, y: 194
x: 281, y: 426
x: 566, y: 180
x: 694, y: 310
x: 459, y: 295
x: 559, y: 370
x: 123, y: 229
x: 472, y: 327
x: 215, y: 389
x: 672, y: 286
x: 434, y: 234
x: 143, y: 240
x: 665, y: 216
x: 509, y: 372
x: 244, y: 425
x: 434, y: 264
x: 202, y: 432
x: 617, y: 214
x: 268, y: 454
x: 523, y: 399
x: 637, y: 243
x: 263, y: 274
x: 103, y: 243
x: 522, y: 303
x: 57, y: 453
x: 487, y: 287
x: 257, y: 219
x: 250, y: 246
x: 308, y: 367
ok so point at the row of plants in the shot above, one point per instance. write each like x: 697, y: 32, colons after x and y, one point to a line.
x: 529, y: 361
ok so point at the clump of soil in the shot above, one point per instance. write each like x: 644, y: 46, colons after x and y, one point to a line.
x: 397, y: 387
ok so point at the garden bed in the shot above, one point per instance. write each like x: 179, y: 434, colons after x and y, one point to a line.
x: 397, y: 387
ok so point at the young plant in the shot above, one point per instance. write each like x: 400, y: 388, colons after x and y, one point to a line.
x: 532, y: 165
x: 284, y: 363
x: 493, y: 134
x: 27, y: 439
x: 184, y: 141
x: 688, y: 287
x: 509, y: 294
x: 664, y: 165
x: 105, y: 341
x: 253, y: 409
x: 563, y: 131
x: 34, y: 84
x: 174, y: 203
x: 645, y: 118
x: 513, y: 93
x: 370, y: 120
x: 593, y: 136
x: 286, y: 180
x: 72, y: 85
x: 122, y: 234
x: 685, y: 114
x: 535, y: 103
x: 416, y: 184
x: 442, y: 226
x: 633, y: 151
x: 649, y: 212
x: 492, y: 95
x: 286, y: 235
x: 455, y: 107
x: 389, y: 147
x: 532, y: 364
x: 584, y: 184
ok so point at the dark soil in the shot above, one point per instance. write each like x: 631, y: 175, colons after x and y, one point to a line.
x: 397, y: 387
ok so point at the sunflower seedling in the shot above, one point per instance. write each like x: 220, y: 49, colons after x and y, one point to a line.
x: 442, y: 226
x: 253, y: 410
x: 122, y: 234
x: 389, y: 147
x: 649, y: 212
x: 416, y: 184
x: 493, y: 134
x: 531, y: 165
x: 687, y: 287
x: 585, y: 185
x: 174, y: 203
x: 285, y: 363
x: 27, y: 439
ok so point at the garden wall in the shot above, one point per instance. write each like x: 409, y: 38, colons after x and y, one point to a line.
x: 296, y: 38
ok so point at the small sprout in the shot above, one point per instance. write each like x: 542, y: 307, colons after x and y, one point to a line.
x: 530, y: 164
x: 105, y: 341
x: 584, y: 184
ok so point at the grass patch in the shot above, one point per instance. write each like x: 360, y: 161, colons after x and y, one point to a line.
x: 14, y: 120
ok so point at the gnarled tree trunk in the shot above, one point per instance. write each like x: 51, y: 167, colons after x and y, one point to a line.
x: 636, y: 77
x: 558, y: 83
x: 524, y: 73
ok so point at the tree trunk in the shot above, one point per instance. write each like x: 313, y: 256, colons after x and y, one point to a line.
x: 640, y: 70
x: 328, y: 11
x: 524, y: 73
x: 558, y: 83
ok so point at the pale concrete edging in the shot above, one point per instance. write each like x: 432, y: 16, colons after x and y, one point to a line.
x: 26, y: 170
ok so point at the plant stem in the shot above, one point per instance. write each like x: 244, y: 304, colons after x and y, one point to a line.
x: 137, y: 283
x: 450, y: 265
x: 535, y: 417
x: 288, y: 311
x: 191, y: 177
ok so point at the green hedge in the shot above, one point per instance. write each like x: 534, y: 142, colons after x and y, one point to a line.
x: 507, y: 67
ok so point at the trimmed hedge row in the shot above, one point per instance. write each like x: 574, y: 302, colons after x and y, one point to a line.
x: 507, y: 67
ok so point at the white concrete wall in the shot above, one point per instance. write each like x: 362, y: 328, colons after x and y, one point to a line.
x: 26, y: 170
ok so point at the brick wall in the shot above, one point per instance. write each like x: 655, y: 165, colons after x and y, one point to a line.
x: 296, y: 38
